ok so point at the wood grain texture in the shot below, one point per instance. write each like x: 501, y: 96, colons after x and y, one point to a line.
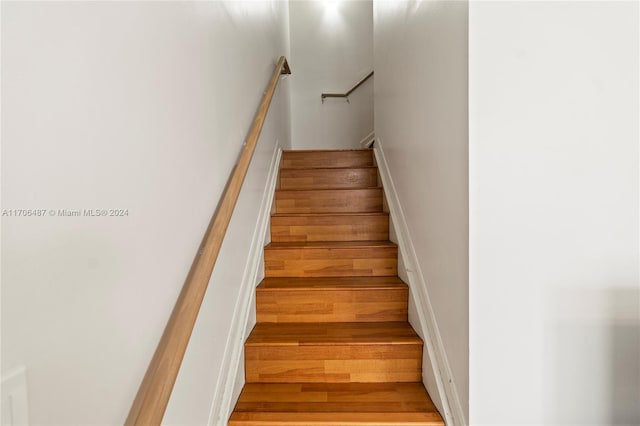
x: 345, y: 301
x: 269, y: 334
x: 332, y: 345
x: 330, y: 283
x: 329, y: 201
x: 335, y: 419
x: 333, y: 352
x: 330, y: 227
x: 329, y: 158
x: 330, y: 178
x: 335, y: 404
x: 320, y: 396
x: 153, y: 394
x: 331, y: 259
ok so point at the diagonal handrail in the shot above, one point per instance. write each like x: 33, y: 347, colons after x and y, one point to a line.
x: 153, y: 395
x: 346, y: 94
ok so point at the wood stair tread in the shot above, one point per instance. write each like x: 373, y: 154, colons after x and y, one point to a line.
x: 298, y: 169
x: 329, y: 283
x: 330, y: 214
x: 255, y: 394
x: 328, y: 190
x: 310, y: 151
x: 334, y: 334
x: 302, y: 245
x: 335, y: 419
x: 336, y: 404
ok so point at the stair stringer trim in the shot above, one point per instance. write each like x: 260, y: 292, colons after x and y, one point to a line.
x: 368, y: 140
x: 225, y: 387
x: 448, y: 395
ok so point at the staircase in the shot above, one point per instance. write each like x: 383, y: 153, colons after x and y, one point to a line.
x: 332, y: 345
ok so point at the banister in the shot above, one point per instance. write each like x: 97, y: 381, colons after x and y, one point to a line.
x: 153, y: 395
x: 346, y: 94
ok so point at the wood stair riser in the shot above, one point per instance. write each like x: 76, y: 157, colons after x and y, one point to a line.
x: 328, y: 262
x: 324, y: 159
x: 334, y: 363
x: 328, y: 178
x: 291, y: 228
x: 329, y: 201
x: 354, y: 305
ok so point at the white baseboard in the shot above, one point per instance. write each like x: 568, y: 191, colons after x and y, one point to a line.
x: 453, y: 413
x: 15, y: 400
x: 368, y: 140
x: 223, y: 395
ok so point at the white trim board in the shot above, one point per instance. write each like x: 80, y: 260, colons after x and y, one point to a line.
x: 223, y: 397
x: 368, y: 140
x: 448, y: 394
x: 15, y: 399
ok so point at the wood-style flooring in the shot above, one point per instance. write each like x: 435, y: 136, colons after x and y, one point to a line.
x: 332, y: 345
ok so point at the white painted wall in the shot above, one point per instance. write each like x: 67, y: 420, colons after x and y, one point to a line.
x: 331, y: 50
x: 420, y: 51
x: 553, y: 162
x: 141, y: 106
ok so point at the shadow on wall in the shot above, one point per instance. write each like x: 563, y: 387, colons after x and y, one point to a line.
x: 624, y: 352
x: 593, y: 351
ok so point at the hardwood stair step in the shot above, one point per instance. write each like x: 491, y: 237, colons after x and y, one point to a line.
x: 334, y: 419
x: 329, y: 227
x: 352, y: 333
x: 329, y: 178
x: 333, y: 352
x: 333, y: 404
x: 330, y: 283
x: 327, y: 158
x: 329, y: 200
x: 341, y: 299
x: 331, y: 259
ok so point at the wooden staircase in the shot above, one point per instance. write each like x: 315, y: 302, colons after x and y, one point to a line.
x: 332, y: 345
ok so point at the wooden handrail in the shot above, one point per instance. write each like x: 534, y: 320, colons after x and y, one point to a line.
x: 346, y: 94
x: 153, y: 395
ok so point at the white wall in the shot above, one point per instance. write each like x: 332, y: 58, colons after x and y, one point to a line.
x: 420, y: 51
x: 141, y: 106
x: 331, y: 50
x: 553, y: 162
